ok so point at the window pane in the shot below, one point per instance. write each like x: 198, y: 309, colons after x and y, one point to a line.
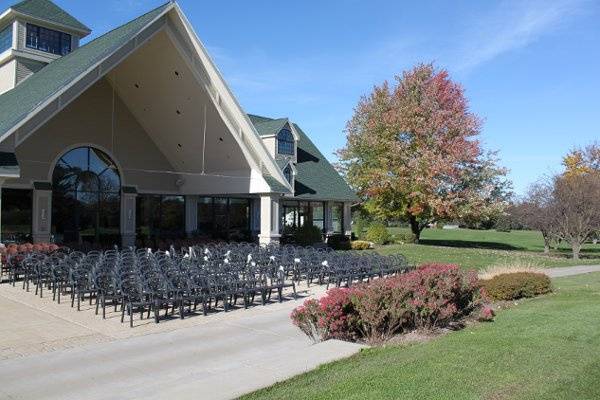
x: 6, y: 38
x: 172, y: 216
x: 338, y: 217
x: 16, y: 215
x: 48, y: 40
x: 318, y: 219
x: 220, y: 208
x: 205, y: 216
x: 147, y: 216
x: 239, y: 219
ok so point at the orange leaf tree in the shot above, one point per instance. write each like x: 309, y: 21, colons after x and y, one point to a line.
x: 412, y: 153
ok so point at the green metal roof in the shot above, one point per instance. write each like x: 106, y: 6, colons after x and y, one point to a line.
x: 18, y: 103
x: 316, y: 178
x: 48, y: 11
x: 267, y: 126
x: 275, y: 185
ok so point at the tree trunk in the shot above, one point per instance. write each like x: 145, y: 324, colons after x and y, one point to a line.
x: 415, y: 227
x: 546, y: 243
x: 576, y: 246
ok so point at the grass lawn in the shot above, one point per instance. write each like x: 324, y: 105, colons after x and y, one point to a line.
x: 480, y: 249
x: 544, y: 348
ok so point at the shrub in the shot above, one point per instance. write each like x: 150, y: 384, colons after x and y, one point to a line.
x: 360, y: 245
x: 516, y: 285
x: 378, y: 233
x: 405, y: 237
x: 508, y: 268
x: 486, y: 314
x: 360, y: 225
x: 426, y: 298
x: 307, y: 235
x: 339, y: 242
x: 440, y: 293
x: 331, y: 317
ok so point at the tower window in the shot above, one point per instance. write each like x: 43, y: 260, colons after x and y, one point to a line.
x: 48, y: 40
x: 287, y: 173
x: 285, y: 142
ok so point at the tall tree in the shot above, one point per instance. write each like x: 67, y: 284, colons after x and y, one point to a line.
x: 412, y: 152
x: 576, y: 208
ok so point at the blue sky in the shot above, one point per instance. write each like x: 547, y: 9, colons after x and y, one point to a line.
x: 530, y: 68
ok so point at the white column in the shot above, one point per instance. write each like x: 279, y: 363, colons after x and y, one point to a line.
x: 191, y: 215
x: 128, y: 216
x: 42, y: 212
x: 347, y: 228
x: 269, y: 219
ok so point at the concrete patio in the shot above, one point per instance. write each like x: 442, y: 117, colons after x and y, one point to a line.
x: 51, y: 351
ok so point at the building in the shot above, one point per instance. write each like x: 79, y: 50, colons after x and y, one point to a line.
x: 136, y: 134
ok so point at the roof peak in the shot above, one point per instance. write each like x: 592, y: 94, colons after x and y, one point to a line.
x: 46, y: 10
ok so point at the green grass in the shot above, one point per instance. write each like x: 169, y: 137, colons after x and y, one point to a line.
x: 544, y: 348
x: 480, y: 249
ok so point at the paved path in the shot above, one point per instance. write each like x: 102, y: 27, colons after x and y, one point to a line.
x: 222, y: 358
x: 568, y: 271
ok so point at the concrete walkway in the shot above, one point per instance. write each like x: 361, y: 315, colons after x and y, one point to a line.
x: 220, y: 357
x: 568, y: 271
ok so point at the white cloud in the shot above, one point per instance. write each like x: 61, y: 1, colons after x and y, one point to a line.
x: 511, y: 26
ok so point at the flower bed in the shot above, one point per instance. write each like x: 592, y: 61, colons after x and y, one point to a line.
x: 429, y: 297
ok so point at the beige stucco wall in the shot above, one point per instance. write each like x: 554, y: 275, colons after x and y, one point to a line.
x: 7, y: 76
x: 89, y: 120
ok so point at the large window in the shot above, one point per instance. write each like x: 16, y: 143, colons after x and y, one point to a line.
x: 86, y: 198
x: 224, y: 218
x: 299, y: 213
x: 48, y: 40
x: 16, y: 215
x: 160, y: 217
x: 6, y: 38
x: 337, y: 217
x: 285, y: 142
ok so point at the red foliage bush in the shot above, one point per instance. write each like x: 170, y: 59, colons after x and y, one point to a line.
x: 428, y: 297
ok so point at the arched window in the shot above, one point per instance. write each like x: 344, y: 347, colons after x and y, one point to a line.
x: 86, y: 197
x: 287, y: 172
x: 285, y: 142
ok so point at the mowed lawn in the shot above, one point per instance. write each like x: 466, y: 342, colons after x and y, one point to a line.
x: 543, y: 348
x: 480, y: 249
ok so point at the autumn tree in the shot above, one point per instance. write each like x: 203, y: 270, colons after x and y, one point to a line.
x: 412, y: 153
x: 582, y: 160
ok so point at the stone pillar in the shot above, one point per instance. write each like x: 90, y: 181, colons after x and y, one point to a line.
x: 269, y: 219
x: 347, y: 228
x: 128, y: 209
x: 42, y: 212
x: 191, y: 215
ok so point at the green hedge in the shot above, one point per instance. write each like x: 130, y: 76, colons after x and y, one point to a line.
x: 517, y: 285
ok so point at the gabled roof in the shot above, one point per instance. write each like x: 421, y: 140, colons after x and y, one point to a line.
x: 44, y: 89
x: 266, y: 126
x: 315, y: 179
x: 48, y: 11
x: 18, y: 103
